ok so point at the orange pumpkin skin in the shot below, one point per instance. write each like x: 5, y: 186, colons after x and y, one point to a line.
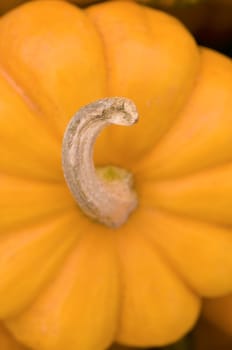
x: 121, y: 347
x: 64, y: 277
x: 7, y: 342
x: 208, y: 20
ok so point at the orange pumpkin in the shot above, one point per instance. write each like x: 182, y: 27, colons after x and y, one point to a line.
x: 67, y: 281
x: 7, y: 342
x: 209, y: 20
x: 121, y: 347
x: 219, y: 311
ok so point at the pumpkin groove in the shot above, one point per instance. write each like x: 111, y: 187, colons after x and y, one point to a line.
x: 7, y: 342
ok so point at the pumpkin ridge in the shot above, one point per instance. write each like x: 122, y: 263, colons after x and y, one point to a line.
x: 45, y: 219
x: 38, y: 219
x: 32, y: 180
x: 176, y: 265
x: 27, y: 197
x: 121, y: 290
x: 190, y: 92
x: 153, y: 290
x: 206, y: 195
x: 106, y: 134
x: 55, y: 89
x: 137, y: 166
x: 127, y: 37
x: 43, y: 237
x: 214, y: 80
x: 214, y: 167
x: 19, y: 90
x: 166, y: 259
x: 104, y: 50
x: 186, y: 216
x: 72, y: 261
x: 8, y: 342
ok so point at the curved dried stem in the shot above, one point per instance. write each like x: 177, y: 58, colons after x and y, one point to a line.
x: 104, y: 194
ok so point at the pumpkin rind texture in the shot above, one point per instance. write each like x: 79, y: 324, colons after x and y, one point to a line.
x: 62, y: 275
x: 7, y: 342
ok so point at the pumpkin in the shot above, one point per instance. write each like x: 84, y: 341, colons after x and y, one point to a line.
x: 66, y: 280
x: 209, y: 20
x: 121, y: 347
x: 218, y: 311
x: 7, y: 342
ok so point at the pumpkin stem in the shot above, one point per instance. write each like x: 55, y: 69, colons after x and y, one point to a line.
x: 104, y: 194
